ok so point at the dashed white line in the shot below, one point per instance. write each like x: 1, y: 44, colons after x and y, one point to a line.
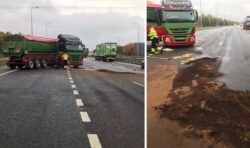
x: 71, y: 81
x: 2, y: 74
x: 221, y: 43
x: 79, y: 102
x: 73, y: 86
x: 94, y: 141
x: 138, y: 84
x: 85, y: 117
x: 70, y: 78
x: 76, y: 92
x: 199, y: 48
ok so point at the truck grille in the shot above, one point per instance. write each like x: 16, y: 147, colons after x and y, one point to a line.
x: 75, y: 57
x: 180, y: 38
x: 179, y: 30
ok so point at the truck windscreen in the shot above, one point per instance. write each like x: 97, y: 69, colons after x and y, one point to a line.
x: 74, y: 47
x: 178, y: 16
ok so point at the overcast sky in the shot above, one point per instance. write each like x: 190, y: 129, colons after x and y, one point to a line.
x: 94, y: 21
x: 230, y: 9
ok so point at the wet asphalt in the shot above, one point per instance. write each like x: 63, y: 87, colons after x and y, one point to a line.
x: 91, y: 63
x: 231, y: 45
x: 38, y: 109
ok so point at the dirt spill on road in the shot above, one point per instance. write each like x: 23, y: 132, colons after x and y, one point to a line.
x: 194, y: 110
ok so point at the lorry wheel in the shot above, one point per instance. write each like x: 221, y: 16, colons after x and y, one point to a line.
x: 12, y: 66
x: 30, y: 64
x: 37, y: 64
x: 20, y: 66
x: 43, y: 63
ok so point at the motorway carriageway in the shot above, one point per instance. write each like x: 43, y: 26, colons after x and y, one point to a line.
x: 71, y: 108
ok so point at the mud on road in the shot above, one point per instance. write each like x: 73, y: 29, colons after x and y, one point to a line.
x: 204, y: 108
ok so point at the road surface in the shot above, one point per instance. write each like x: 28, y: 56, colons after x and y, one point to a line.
x: 231, y: 45
x: 77, y: 108
x: 91, y: 63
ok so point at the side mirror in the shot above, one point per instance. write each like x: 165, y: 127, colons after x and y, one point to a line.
x: 158, y: 17
x: 196, y: 15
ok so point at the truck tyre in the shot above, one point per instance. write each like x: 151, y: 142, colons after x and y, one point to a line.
x: 37, y: 64
x: 12, y: 66
x: 20, y: 66
x: 30, y: 64
x: 43, y: 63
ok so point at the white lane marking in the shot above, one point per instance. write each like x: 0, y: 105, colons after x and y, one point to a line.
x: 94, y: 141
x: 138, y: 84
x: 73, y: 86
x: 76, y: 92
x: 70, y: 78
x: 85, y: 117
x: 221, y: 43
x: 79, y: 102
x: 89, y: 69
x: 199, y: 48
x: 2, y: 74
x: 71, y: 81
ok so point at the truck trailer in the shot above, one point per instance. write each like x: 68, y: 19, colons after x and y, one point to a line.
x: 174, y: 22
x: 246, y: 23
x: 106, y: 52
x: 38, y: 52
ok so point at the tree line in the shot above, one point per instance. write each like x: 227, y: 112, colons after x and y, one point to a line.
x: 211, y: 21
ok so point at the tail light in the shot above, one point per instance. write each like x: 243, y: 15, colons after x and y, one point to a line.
x: 193, y: 31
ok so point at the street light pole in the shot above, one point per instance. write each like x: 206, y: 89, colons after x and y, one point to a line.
x: 138, y: 35
x: 201, y: 14
x: 31, y: 18
x: 46, y: 28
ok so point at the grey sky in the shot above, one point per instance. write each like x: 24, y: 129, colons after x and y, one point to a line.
x: 94, y: 21
x: 230, y: 9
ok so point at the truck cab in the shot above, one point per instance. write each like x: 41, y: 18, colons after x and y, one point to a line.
x: 174, y: 22
x: 246, y: 23
x: 106, y: 51
x: 73, y: 46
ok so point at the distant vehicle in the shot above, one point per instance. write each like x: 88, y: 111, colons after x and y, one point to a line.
x: 142, y: 65
x: 106, y: 52
x: 86, y: 52
x: 246, y: 23
x: 174, y: 22
x: 38, y: 52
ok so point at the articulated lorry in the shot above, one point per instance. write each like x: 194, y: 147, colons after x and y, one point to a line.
x: 106, y: 52
x: 38, y: 52
x: 174, y: 22
x: 246, y: 23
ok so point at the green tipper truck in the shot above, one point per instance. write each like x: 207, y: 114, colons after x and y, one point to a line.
x: 174, y: 22
x: 106, y: 52
x: 38, y: 52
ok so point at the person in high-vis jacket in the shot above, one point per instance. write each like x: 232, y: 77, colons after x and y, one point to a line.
x: 65, y: 60
x: 154, y: 41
